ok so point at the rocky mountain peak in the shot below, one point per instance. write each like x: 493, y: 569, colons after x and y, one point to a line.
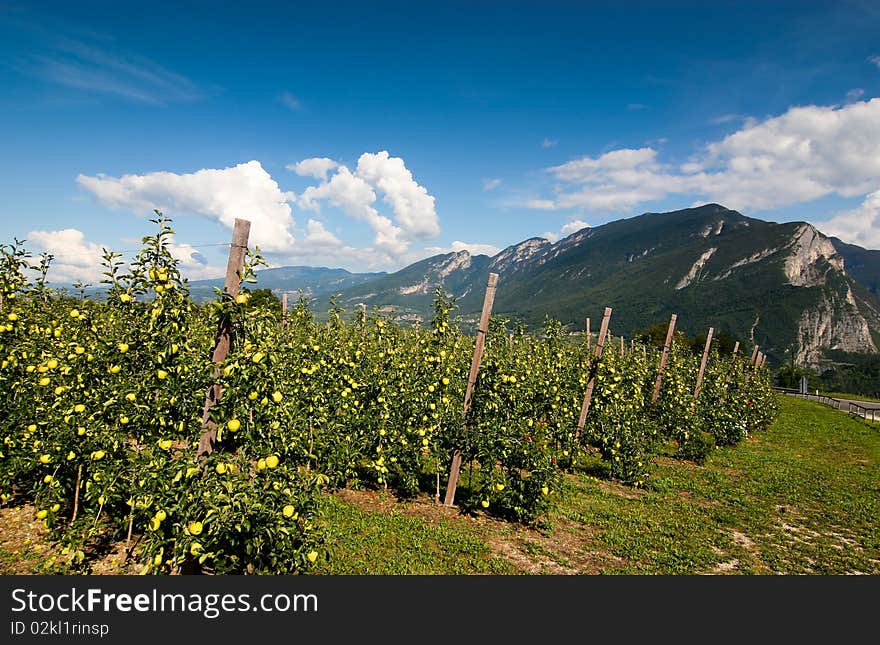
x: 509, y: 258
x: 812, y: 256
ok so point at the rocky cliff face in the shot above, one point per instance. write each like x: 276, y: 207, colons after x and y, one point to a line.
x: 812, y: 256
x: 433, y: 278
x: 515, y: 257
x: 835, y: 323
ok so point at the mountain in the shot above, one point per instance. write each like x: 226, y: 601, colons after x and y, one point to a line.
x: 410, y: 291
x: 862, y: 264
x: 783, y: 286
x: 313, y: 281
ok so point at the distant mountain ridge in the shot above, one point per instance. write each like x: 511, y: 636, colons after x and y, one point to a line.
x: 783, y: 286
x: 312, y: 281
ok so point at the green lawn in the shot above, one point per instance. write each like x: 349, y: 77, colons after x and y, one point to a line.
x: 851, y: 397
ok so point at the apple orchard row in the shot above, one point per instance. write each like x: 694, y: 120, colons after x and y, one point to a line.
x: 103, y: 409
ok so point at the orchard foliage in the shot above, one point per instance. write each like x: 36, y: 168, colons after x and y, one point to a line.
x: 103, y: 406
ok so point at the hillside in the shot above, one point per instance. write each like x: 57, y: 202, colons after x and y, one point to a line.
x: 783, y: 286
x: 314, y: 281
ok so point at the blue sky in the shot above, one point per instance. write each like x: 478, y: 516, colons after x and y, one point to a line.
x: 369, y: 135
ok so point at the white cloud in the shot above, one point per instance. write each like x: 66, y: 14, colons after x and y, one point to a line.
x: 249, y: 192
x: 806, y: 153
x: 356, y: 197
x: 88, y: 68
x: 75, y: 258
x: 549, y: 143
x: 567, y: 229
x: 244, y: 191
x: 587, y: 169
x: 319, y: 237
x: 614, y: 181
x: 474, y: 248
x: 573, y: 227
x: 860, y: 226
x: 316, y: 167
x: 726, y: 118
x: 291, y: 102
x: 874, y: 60
x: 413, y: 206
x: 659, y: 141
x: 343, y: 190
x: 854, y: 94
x: 355, y: 193
x: 193, y: 264
x: 491, y: 184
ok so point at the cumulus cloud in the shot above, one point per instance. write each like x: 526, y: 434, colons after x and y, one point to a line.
x: 316, y: 167
x: 860, y: 226
x: 244, y: 191
x: 573, y: 227
x: 806, y: 153
x: 413, y: 206
x: 193, y: 264
x: 567, y: 229
x: 355, y: 193
x: 474, y: 248
x: 74, y: 257
x: 875, y: 60
x: 549, y: 143
x: 356, y: 197
x: 248, y: 191
x: 614, y: 181
x: 319, y: 237
x: 491, y: 184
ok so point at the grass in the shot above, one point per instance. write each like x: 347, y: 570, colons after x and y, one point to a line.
x: 799, y: 498
x: 851, y: 397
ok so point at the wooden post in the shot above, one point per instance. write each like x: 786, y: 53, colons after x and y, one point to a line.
x: 666, y: 346
x: 482, y: 329
x: 754, y: 356
x: 235, y: 264
x: 758, y: 360
x: 732, y: 365
x: 703, y: 364
x: 600, y: 342
x: 588, y: 335
x: 283, y: 308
